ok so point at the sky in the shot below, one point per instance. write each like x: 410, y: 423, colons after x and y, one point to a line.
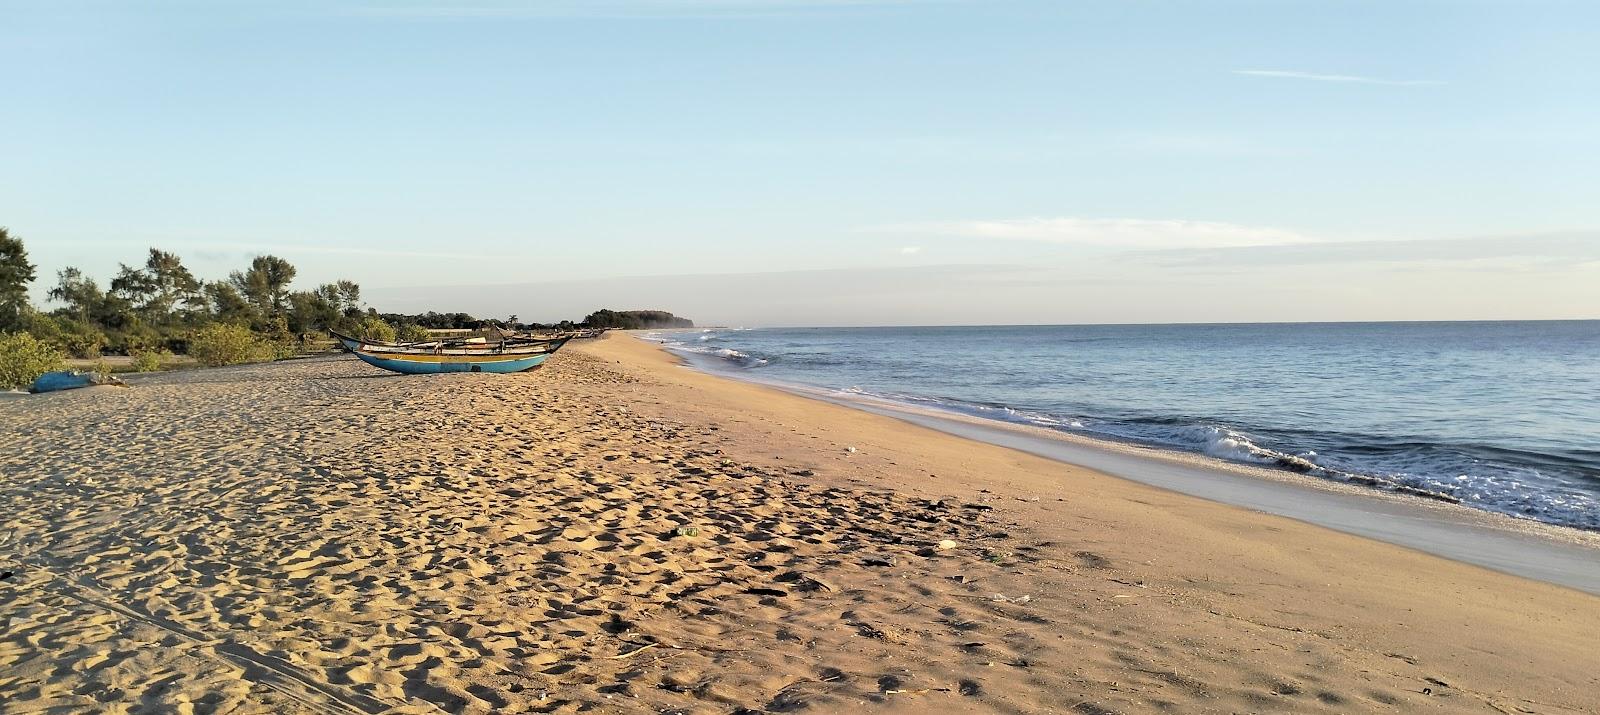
x: 826, y: 162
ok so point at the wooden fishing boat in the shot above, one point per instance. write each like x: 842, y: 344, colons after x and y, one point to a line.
x: 501, y: 358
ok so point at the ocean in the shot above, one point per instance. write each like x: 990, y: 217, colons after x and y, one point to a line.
x: 1502, y: 416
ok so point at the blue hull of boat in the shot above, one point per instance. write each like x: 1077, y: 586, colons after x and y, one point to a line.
x: 70, y: 380
x: 423, y: 365
x: 64, y: 380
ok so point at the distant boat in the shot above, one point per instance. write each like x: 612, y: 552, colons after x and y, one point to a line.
x: 414, y: 360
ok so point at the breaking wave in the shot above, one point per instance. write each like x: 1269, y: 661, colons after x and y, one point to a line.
x: 1109, y: 385
x: 698, y: 347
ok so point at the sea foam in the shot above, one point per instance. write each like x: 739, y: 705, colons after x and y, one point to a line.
x: 1499, y: 416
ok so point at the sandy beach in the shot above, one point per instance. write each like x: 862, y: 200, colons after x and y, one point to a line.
x: 618, y: 533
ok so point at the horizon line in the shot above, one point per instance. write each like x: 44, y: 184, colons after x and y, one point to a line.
x: 1151, y: 324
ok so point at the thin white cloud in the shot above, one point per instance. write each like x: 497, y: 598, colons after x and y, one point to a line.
x: 1518, y: 252
x: 1345, y: 78
x: 1108, y: 232
x: 910, y: 250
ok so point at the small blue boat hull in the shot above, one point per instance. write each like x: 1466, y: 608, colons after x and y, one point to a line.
x: 435, y: 364
x: 69, y: 380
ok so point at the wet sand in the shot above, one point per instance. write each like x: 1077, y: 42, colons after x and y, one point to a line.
x: 1522, y: 547
x: 617, y: 533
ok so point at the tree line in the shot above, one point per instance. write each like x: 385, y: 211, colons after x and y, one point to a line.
x: 635, y: 319
x: 160, y: 304
x: 604, y: 318
x: 159, y: 307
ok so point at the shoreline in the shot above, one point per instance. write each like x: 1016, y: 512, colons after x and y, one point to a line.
x: 1527, y: 548
x: 1432, y: 412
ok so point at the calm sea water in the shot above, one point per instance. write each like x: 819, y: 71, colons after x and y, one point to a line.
x: 1504, y: 416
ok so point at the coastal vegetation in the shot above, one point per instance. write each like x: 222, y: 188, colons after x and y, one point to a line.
x: 229, y: 344
x: 466, y: 321
x: 23, y: 358
x: 434, y: 321
x: 635, y: 319
x: 15, y: 275
x: 376, y: 329
x: 161, y: 305
x: 150, y: 360
x: 154, y: 310
x: 603, y: 318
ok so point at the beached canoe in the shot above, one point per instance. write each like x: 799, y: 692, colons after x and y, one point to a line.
x: 70, y: 380
x: 424, y: 361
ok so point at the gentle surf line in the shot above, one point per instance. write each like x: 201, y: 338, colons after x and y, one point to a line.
x: 1457, y: 533
x: 1491, y: 415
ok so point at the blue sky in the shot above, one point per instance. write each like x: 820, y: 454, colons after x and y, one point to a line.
x: 827, y: 161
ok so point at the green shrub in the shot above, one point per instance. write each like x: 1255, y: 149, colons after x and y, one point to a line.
x: 82, y: 340
x: 77, y: 338
x: 45, y: 328
x: 224, y: 344
x: 134, y: 337
x: 150, y: 360
x: 280, y: 349
x: 373, y: 328
x: 275, y: 330
x: 24, y: 358
x: 413, y: 333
